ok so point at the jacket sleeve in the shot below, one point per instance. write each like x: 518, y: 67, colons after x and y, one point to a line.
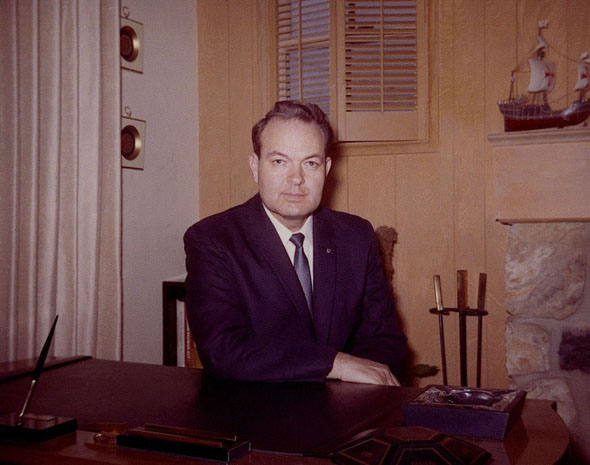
x: 229, y: 345
x: 378, y: 335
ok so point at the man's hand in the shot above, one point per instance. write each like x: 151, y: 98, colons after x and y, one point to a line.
x: 360, y: 370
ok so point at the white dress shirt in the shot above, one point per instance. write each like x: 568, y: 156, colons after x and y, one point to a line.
x: 285, y: 234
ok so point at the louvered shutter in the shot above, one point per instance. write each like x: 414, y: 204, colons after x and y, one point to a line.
x: 380, y: 75
x: 304, y: 51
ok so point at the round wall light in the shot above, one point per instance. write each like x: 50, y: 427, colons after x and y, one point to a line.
x: 130, y: 142
x: 129, y: 43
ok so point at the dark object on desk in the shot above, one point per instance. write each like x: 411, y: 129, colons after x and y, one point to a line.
x: 411, y: 445
x: 36, y: 427
x: 470, y: 412
x: 185, y: 441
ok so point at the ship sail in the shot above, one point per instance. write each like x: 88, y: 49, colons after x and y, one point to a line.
x: 583, y: 76
x: 542, y: 75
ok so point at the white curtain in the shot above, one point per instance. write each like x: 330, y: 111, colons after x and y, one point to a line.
x: 60, y: 177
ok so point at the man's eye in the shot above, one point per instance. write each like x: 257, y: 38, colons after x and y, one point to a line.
x: 313, y: 164
x: 278, y: 162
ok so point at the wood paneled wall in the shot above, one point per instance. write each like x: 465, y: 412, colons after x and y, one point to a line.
x: 440, y: 201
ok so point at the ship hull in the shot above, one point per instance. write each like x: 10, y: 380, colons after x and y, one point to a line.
x: 525, y: 116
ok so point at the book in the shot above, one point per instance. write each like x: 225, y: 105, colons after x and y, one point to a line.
x: 186, y: 349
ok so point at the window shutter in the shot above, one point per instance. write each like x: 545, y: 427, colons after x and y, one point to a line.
x: 304, y: 51
x: 379, y: 70
x: 376, y: 88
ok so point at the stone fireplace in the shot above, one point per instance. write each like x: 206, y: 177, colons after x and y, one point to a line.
x: 547, y: 277
x: 541, y: 196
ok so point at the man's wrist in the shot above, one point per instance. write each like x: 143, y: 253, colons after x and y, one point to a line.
x: 336, y: 371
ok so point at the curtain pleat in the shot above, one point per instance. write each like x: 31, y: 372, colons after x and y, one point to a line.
x: 8, y: 180
x: 61, y: 178
x: 67, y: 265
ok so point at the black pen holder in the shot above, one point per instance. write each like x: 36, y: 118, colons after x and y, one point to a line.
x: 35, y: 427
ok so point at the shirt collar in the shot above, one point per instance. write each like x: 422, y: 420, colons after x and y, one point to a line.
x: 285, y: 233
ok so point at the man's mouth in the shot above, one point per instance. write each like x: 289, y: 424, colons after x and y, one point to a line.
x: 294, y: 194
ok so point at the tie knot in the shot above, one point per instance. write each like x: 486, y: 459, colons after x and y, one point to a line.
x: 297, y: 239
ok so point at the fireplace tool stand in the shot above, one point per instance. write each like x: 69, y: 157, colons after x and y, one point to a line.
x: 463, y: 311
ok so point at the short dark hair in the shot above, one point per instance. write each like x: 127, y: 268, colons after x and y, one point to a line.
x: 293, y: 109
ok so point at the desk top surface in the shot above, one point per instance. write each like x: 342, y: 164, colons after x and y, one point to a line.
x: 283, y: 417
x: 290, y: 418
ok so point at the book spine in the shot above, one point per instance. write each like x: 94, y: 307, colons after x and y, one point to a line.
x: 188, y: 341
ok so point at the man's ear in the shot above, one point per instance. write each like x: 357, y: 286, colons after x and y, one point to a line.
x: 253, y: 160
x: 328, y: 165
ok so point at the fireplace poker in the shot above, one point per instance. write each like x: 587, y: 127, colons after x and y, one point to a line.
x: 440, y: 311
x: 462, y: 308
x: 481, y: 300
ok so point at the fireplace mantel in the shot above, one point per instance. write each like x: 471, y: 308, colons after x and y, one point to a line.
x: 511, y: 221
x: 541, y: 136
x: 541, y: 176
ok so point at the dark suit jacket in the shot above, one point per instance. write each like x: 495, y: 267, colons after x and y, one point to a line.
x: 247, y: 310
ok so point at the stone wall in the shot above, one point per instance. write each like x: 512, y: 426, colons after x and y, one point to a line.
x: 547, y: 278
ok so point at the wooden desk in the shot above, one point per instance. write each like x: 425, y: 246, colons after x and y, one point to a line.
x: 279, y: 417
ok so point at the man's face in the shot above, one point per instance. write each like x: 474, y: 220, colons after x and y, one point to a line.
x: 291, y: 170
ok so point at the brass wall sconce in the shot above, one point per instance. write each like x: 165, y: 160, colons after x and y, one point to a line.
x: 131, y: 43
x: 132, y: 141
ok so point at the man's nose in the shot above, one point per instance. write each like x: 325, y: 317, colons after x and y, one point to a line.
x: 295, y: 175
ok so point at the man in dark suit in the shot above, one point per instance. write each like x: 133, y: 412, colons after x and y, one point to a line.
x: 267, y: 304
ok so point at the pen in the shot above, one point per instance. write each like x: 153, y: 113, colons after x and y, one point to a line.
x: 173, y: 437
x: 37, y: 373
x: 193, y: 433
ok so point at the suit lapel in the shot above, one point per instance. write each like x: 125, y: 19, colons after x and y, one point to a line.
x: 268, y: 244
x: 324, y: 276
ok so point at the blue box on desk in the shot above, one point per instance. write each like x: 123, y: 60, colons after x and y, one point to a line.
x: 464, y: 411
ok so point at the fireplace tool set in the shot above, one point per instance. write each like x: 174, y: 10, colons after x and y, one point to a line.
x: 463, y: 311
x: 461, y: 410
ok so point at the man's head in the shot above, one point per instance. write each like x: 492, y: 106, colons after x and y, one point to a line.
x: 292, y: 109
x: 289, y: 161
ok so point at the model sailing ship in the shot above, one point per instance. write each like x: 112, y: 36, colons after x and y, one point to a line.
x: 533, y: 111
